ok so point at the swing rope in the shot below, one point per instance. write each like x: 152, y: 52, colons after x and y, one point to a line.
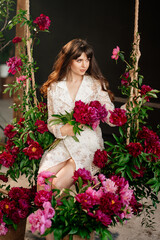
x: 134, y: 72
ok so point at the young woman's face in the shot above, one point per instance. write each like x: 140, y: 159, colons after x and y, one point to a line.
x: 80, y: 65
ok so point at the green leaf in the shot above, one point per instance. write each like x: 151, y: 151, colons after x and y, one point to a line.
x: 121, y: 56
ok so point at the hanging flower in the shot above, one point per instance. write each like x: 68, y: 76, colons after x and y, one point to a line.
x: 22, y: 79
x: 115, y: 53
x: 16, y: 40
x: 134, y: 149
x: 125, y: 79
x: 118, y: 117
x: 145, y: 89
x: 10, y: 131
x: 100, y: 158
x: 34, y: 151
x: 14, y: 65
x: 43, y: 22
x: 41, y: 126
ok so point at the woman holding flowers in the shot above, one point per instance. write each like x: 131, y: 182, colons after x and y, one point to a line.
x: 76, y: 82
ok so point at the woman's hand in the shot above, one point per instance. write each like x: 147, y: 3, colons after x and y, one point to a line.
x: 67, y: 130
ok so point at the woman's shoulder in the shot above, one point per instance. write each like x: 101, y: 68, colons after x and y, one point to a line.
x: 95, y: 83
x: 52, y: 86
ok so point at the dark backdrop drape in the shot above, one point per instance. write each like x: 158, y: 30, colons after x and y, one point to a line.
x: 105, y: 24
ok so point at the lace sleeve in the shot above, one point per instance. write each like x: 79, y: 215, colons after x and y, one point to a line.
x: 104, y: 99
x: 54, y: 129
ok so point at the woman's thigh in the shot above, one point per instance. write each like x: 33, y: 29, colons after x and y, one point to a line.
x: 64, y: 176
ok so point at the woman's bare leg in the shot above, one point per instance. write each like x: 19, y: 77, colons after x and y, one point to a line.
x: 64, y: 172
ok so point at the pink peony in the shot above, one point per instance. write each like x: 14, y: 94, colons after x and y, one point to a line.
x: 16, y: 40
x: 127, y: 213
x: 118, y: 117
x: 42, y: 177
x: 34, y: 151
x: 14, y: 65
x: 43, y: 22
x: 126, y: 195
x: 3, y: 229
x: 41, y: 126
x: 115, y: 53
x: 100, y: 158
x: 48, y: 210
x: 39, y: 221
x: 22, y: 79
x: 109, y: 186
x: 85, y: 200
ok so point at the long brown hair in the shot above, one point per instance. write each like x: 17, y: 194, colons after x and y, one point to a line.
x: 73, y: 50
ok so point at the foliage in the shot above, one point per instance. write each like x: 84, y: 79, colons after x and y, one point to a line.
x: 135, y: 153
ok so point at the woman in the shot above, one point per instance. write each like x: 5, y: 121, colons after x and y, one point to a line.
x: 76, y: 76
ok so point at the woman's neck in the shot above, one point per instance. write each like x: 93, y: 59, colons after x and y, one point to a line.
x: 72, y: 77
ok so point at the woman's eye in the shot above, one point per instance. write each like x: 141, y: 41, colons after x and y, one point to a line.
x: 79, y: 60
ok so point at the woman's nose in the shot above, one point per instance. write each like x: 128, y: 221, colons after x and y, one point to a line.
x: 84, y: 64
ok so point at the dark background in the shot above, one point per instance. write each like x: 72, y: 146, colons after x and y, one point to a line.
x: 104, y: 24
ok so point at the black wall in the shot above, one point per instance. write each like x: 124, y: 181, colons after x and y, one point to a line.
x: 105, y: 24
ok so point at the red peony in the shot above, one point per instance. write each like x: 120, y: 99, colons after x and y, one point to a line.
x: 83, y: 173
x: 14, y: 65
x: 125, y: 79
x: 103, y: 218
x: 85, y: 200
x: 42, y: 107
x: 21, y: 121
x: 3, y: 178
x: 43, y: 22
x: 89, y: 114
x: 145, y: 89
x: 42, y: 196
x: 100, y: 158
x: 41, y: 126
x: 9, y: 131
x: 118, y: 117
x: 110, y: 204
x: 34, y: 151
x: 134, y: 149
x: 147, y: 134
x: 17, y: 40
x: 6, y: 159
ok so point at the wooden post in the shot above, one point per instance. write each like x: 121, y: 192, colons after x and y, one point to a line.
x: 20, y: 32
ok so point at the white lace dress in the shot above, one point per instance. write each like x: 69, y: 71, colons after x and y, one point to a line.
x: 82, y: 152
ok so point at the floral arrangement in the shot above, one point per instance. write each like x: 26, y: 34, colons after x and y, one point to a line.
x: 89, y: 115
x: 14, y: 207
x: 135, y: 152
x: 97, y: 203
x: 27, y: 137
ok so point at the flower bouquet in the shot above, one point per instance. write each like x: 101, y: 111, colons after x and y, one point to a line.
x: 96, y: 204
x: 88, y: 114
